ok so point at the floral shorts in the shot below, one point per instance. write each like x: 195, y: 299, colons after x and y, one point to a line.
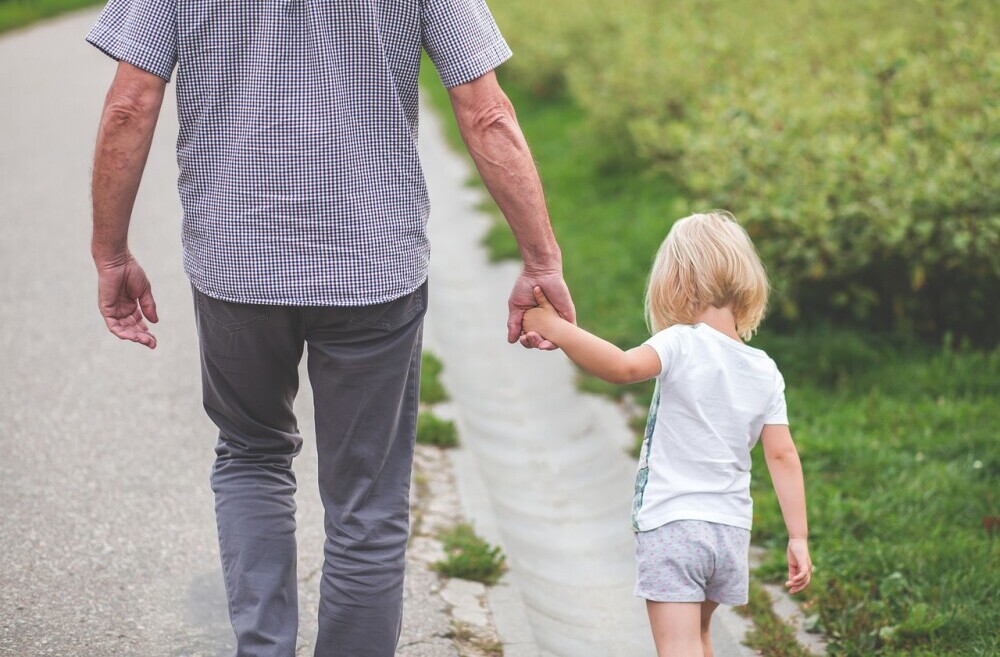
x: 693, y: 561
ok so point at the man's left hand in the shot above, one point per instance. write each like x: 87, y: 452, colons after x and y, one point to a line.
x: 522, y: 297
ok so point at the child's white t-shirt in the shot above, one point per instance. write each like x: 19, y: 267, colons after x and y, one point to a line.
x: 713, y: 397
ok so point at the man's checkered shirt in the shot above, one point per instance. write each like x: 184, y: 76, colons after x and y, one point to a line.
x: 299, y: 173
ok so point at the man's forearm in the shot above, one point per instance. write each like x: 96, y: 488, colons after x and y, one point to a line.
x: 504, y: 161
x: 123, y: 141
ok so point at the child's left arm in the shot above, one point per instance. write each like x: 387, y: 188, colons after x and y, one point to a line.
x: 597, y: 356
x: 786, y: 474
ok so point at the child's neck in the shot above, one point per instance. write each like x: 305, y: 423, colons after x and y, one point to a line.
x: 720, y: 319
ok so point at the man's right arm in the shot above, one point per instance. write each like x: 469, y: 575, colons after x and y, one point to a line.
x: 490, y: 130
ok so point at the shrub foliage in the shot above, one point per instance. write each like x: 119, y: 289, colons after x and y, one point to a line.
x: 858, y: 141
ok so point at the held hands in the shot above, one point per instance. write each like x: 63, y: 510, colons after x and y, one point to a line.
x: 125, y: 300
x: 522, y: 299
x: 800, y: 565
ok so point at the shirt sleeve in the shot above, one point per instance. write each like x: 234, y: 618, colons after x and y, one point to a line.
x: 777, y: 412
x: 142, y: 33
x: 667, y: 344
x: 462, y: 39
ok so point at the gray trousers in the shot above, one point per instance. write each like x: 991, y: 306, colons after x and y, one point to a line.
x: 364, y: 368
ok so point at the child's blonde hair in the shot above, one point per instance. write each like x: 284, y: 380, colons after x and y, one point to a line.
x: 706, y: 260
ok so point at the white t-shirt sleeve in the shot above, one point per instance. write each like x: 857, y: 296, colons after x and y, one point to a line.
x: 777, y: 411
x: 667, y: 344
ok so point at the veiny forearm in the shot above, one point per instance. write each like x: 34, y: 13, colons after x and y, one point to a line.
x: 504, y: 162
x: 786, y: 475
x: 123, y: 141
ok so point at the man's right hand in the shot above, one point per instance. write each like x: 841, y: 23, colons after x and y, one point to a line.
x: 125, y: 299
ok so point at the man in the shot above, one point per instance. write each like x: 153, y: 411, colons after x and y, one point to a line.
x: 304, y: 224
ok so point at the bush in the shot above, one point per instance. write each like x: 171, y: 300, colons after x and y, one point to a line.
x: 470, y: 557
x: 858, y: 142
x: 547, y: 38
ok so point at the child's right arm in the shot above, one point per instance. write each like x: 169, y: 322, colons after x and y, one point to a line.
x: 786, y: 473
x: 597, y: 356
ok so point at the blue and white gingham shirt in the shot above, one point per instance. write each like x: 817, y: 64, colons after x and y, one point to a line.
x: 299, y: 173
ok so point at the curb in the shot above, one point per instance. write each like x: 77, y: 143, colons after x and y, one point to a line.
x: 510, y: 616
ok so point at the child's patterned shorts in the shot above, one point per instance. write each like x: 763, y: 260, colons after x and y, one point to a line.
x: 693, y: 561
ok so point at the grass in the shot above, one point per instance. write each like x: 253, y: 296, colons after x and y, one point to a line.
x: 473, y: 643
x: 771, y: 635
x: 470, y: 557
x: 20, y: 13
x: 902, y: 467
x: 431, y: 389
x: 432, y: 430
x: 899, y: 440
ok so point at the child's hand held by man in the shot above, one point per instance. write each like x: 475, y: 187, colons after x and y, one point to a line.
x: 542, y: 318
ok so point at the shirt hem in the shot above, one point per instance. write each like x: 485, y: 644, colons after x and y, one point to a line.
x: 656, y: 521
x: 318, y: 302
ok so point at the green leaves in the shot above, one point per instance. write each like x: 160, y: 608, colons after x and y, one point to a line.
x: 858, y: 142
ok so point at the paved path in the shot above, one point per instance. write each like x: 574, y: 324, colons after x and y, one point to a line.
x: 106, y: 525
x: 107, y: 533
x: 107, y: 528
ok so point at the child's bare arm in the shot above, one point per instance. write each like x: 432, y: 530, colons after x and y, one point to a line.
x: 597, y: 356
x: 786, y: 474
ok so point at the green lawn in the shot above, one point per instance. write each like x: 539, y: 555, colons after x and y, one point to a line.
x: 899, y: 440
x: 18, y: 13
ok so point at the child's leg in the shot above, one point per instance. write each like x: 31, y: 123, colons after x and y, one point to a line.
x: 707, y: 609
x: 676, y: 628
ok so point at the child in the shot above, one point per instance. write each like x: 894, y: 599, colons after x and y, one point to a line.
x: 714, y: 397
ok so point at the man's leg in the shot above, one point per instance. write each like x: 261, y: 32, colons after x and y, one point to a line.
x: 249, y: 361
x: 364, y: 366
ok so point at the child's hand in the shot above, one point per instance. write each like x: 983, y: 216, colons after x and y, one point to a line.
x: 799, y: 565
x: 543, y: 318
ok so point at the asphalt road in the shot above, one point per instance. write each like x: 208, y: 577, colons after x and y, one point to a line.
x: 107, y: 531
